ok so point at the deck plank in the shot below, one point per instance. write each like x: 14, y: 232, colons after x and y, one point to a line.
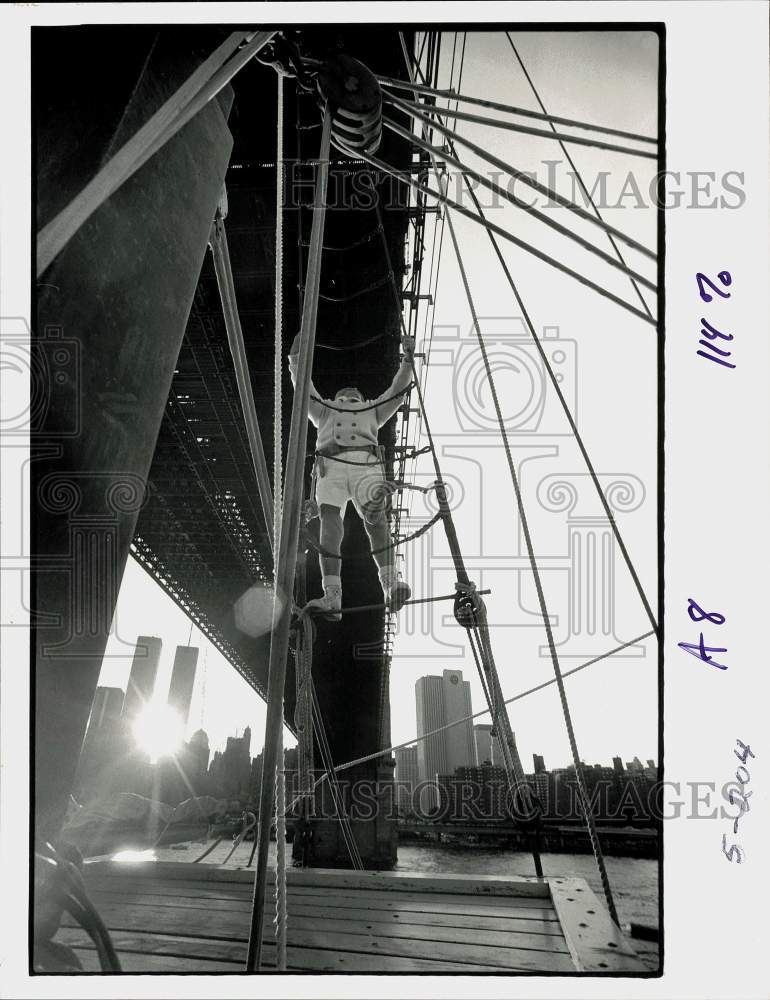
x: 331, y: 911
x: 236, y: 926
x: 173, y: 954
x: 392, y: 881
x: 175, y: 916
x: 533, y: 920
x: 517, y: 951
x: 425, y: 902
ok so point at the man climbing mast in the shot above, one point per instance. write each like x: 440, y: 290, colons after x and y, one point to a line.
x: 349, y: 467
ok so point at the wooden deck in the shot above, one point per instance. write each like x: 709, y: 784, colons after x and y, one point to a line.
x: 171, y: 917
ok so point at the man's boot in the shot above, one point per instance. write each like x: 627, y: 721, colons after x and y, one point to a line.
x: 330, y: 604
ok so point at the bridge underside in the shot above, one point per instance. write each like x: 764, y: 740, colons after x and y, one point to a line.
x: 150, y: 396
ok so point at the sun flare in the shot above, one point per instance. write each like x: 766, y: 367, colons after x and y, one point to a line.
x: 158, y: 731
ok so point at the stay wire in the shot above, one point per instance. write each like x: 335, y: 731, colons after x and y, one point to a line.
x: 455, y: 95
x: 540, y: 133
x: 590, y: 825
x: 575, y: 170
x: 491, y: 226
x: 446, y: 515
x: 495, y: 188
x: 573, y: 426
x: 525, y: 178
x: 567, y: 412
x: 485, y: 711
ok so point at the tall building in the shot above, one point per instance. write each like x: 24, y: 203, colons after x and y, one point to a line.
x: 183, y: 680
x: 234, y: 771
x: 539, y: 763
x: 486, y: 745
x: 440, y: 701
x: 407, y: 776
x: 199, y: 750
x: 144, y: 669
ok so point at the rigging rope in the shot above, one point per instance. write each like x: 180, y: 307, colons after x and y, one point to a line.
x: 484, y: 711
x: 405, y: 179
x: 367, y: 238
x: 513, y: 127
x: 530, y: 181
x: 513, y: 765
x: 518, y: 203
x: 341, y: 299
x: 583, y: 793
x: 281, y: 919
x: 353, y: 347
x: 337, y: 798
x: 575, y: 171
x: 363, y: 409
x: 281, y: 909
x: 562, y: 400
x: 317, y: 547
x: 455, y: 95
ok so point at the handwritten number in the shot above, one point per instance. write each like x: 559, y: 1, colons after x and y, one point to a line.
x: 724, y: 276
x: 733, y: 847
x: 712, y: 333
x: 719, y: 361
x: 697, y: 614
x: 745, y: 753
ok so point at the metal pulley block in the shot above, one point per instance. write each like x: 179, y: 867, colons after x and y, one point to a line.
x: 353, y: 94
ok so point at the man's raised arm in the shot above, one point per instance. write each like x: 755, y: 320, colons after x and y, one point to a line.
x: 386, y: 404
x: 314, y: 409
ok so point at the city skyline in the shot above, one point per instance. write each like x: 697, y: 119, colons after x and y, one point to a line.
x: 112, y: 762
x: 222, y: 702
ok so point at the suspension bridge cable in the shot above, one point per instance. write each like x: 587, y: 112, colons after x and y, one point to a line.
x: 576, y: 172
x: 455, y: 95
x: 530, y: 181
x: 542, y: 133
x: 484, y: 711
x: 485, y: 223
x: 467, y: 171
x: 568, y: 413
x: 579, y: 777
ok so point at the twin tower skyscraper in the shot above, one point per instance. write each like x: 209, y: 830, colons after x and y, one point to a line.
x: 144, y: 671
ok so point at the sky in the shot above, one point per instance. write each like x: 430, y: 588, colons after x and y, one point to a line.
x: 609, y: 366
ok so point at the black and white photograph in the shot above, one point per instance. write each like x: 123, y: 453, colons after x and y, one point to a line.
x: 356, y: 481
